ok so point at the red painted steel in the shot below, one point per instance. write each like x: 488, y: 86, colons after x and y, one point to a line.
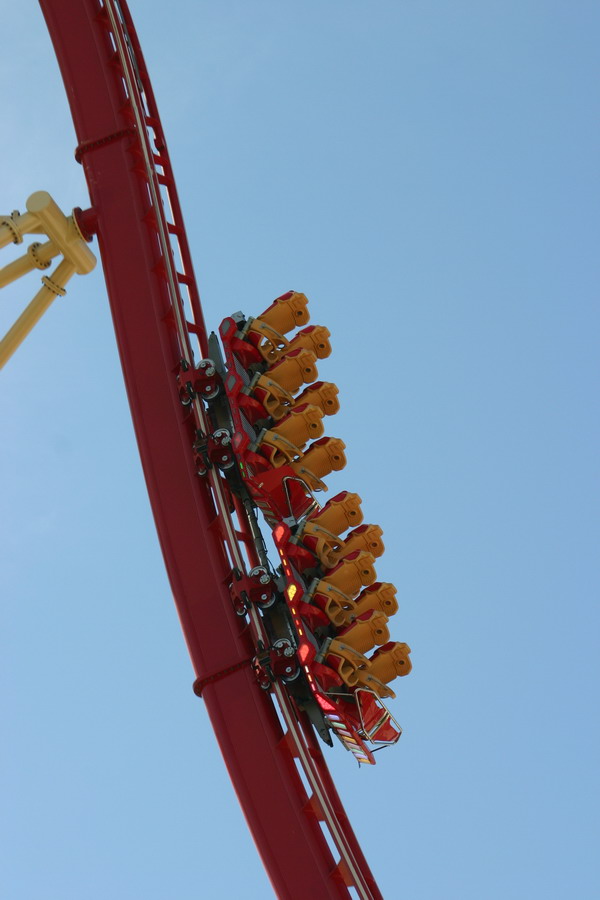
x: 113, y: 108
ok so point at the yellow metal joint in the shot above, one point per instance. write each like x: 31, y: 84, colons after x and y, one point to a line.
x: 43, y: 216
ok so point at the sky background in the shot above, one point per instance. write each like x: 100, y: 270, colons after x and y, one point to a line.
x: 427, y: 173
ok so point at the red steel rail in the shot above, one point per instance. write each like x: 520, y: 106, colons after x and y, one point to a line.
x: 158, y: 323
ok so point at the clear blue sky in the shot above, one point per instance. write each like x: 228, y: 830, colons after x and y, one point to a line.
x: 427, y: 173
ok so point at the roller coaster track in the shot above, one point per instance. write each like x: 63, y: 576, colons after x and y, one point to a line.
x: 136, y: 216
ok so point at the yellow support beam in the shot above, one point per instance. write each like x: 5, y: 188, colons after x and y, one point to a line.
x: 51, y: 287
x: 62, y: 230
x: 38, y: 256
x: 14, y: 226
x: 43, y: 216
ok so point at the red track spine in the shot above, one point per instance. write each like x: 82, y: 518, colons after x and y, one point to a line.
x: 157, y: 319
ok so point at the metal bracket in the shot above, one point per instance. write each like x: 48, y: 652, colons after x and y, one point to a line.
x: 277, y: 661
x: 202, y: 381
x: 213, y: 450
x: 257, y: 587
